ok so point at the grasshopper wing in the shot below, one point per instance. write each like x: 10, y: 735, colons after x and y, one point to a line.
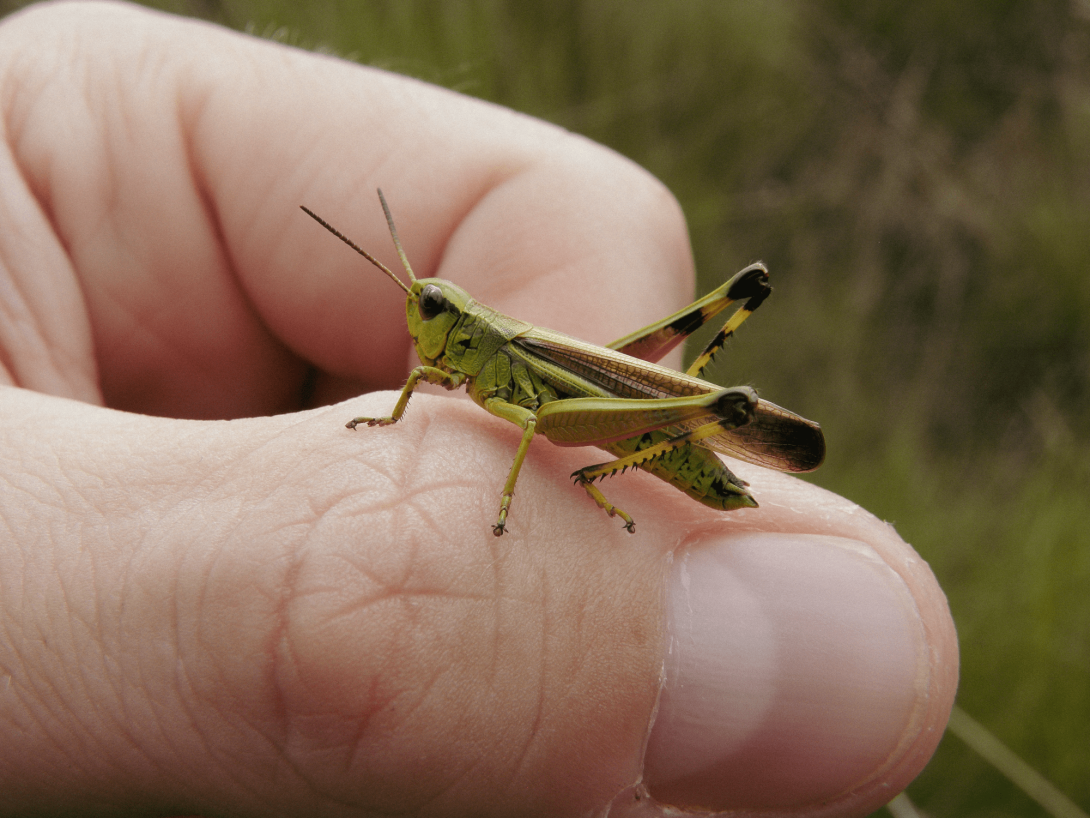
x: 775, y: 438
x: 616, y: 373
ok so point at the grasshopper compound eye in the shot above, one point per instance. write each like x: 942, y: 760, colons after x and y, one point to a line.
x: 432, y: 302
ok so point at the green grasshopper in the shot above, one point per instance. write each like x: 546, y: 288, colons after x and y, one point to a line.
x: 616, y: 398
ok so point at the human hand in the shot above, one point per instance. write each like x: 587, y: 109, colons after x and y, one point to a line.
x: 273, y: 615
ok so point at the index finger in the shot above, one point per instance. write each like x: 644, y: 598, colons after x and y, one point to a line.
x: 174, y: 187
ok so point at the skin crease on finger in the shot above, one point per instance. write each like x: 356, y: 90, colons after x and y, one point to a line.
x: 236, y: 622
x: 237, y: 630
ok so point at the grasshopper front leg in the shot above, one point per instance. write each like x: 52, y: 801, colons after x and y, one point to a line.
x: 428, y: 374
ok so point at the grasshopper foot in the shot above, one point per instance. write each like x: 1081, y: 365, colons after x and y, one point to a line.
x: 501, y: 524
x: 352, y: 424
x: 603, y: 503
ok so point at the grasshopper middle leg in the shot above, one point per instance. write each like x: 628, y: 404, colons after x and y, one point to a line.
x: 527, y: 420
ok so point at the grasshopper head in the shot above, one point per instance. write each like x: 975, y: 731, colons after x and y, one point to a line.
x: 431, y: 311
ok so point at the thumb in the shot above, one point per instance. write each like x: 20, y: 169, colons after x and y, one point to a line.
x: 280, y: 616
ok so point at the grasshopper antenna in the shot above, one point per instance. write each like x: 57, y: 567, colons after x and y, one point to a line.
x: 393, y: 233
x: 363, y: 252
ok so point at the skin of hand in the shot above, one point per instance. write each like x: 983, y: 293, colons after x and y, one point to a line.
x: 216, y: 599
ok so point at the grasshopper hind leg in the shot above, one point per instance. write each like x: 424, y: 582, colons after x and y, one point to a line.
x: 679, y: 461
x: 604, y: 504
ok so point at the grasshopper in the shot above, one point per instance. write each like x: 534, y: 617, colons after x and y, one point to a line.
x: 617, y: 398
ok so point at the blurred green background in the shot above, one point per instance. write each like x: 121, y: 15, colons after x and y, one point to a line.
x: 917, y: 177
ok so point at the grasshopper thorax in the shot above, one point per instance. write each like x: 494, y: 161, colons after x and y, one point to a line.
x: 432, y: 309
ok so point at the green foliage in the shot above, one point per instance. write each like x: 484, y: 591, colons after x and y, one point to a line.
x: 917, y: 177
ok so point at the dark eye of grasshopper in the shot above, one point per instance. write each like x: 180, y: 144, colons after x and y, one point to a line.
x: 432, y: 302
